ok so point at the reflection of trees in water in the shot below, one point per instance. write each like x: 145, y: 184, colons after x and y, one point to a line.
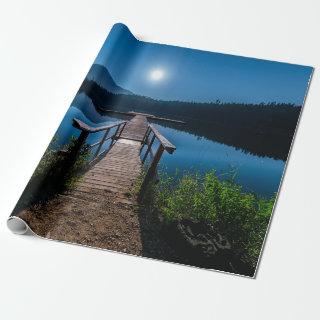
x: 266, y: 145
x: 264, y: 129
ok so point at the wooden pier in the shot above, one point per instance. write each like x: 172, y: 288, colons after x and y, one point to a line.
x: 100, y: 209
x: 120, y: 167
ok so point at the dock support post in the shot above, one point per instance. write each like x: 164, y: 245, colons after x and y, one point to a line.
x: 151, y: 172
x: 72, y: 157
x: 101, y: 143
x: 148, y: 148
x: 79, y: 143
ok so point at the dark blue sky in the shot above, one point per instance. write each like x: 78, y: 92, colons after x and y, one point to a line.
x: 175, y: 73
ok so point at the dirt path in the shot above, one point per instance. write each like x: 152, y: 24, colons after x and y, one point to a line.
x: 100, y: 211
x: 96, y: 221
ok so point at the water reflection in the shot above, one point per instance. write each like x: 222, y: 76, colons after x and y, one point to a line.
x: 260, y: 175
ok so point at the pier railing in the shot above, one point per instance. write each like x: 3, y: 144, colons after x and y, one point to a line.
x: 151, y: 138
x: 86, y: 130
x: 151, y: 135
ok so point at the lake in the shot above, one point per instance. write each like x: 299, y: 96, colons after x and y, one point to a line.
x: 259, y: 175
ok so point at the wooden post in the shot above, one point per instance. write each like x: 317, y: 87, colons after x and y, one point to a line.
x: 122, y: 129
x: 101, y: 143
x: 149, y: 148
x: 72, y: 157
x: 79, y: 143
x: 153, y: 168
x: 115, y: 135
x: 145, y: 138
x: 151, y: 171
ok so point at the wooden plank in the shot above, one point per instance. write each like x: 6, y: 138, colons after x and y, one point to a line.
x: 107, y: 174
x: 115, y: 174
x: 167, y: 145
x: 110, y: 170
x: 104, y: 184
x: 84, y: 127
x: 121, y: 180
x: 102, y: 201
x: 135, y: 129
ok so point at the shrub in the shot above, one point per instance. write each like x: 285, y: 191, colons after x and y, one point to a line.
x: 242, y: 217
x: 55, y: 172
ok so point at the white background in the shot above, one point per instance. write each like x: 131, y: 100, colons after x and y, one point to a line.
x: 46, y: 49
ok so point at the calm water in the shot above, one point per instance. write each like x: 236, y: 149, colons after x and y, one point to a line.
x: 260, y: 175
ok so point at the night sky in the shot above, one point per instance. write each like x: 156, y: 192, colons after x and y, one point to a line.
x: 175, y: 73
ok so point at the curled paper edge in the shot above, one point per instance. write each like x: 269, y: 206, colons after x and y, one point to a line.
x: 17, y: 225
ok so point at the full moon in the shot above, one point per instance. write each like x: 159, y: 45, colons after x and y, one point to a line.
x: 156, y: 74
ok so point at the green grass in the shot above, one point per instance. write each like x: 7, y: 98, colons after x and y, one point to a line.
x: 51, y: 176
x: 242, y: 217
x: 53, y: 163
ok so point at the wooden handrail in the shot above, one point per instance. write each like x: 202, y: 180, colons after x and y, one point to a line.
x: 167, y: 145
x: 84, y: 127
x: 86, y: 130
x: 149, y: 138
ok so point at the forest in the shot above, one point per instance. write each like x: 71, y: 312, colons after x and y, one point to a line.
x: 265, y: 129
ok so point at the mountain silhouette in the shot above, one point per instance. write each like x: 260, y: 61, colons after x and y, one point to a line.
x: 102, y: 76
x: 85, y: 105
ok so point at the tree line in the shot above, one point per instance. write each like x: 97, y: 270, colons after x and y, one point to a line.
x: 264, y: 129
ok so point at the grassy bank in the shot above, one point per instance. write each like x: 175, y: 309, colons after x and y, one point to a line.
x: 240, y: 216
x: 55, y: 173
x: 57, y: 166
